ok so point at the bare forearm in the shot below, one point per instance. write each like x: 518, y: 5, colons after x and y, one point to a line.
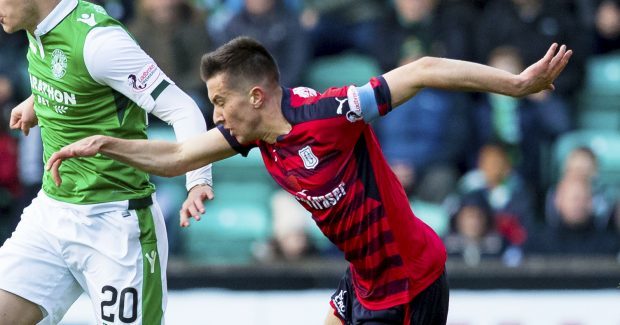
x: 167, y: 159
x: 467, y: 76
x: 449, y: 74
x: 406, y: 81
x: 155, y: 157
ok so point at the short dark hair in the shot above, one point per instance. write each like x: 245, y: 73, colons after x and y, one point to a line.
x: 242, y: 59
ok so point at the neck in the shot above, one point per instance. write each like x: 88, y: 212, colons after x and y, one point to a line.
x: 274, y: 123
x: 41, y: 10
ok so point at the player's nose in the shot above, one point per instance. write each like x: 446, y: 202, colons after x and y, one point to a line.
x: 217, y: 117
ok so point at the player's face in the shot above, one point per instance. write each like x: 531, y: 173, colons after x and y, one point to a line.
x: 233, y: 109
x: 16, y: 15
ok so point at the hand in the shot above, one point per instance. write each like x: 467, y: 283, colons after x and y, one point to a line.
x: 540, y: 75
x: 86, y: 147
x: 23, y: 116
x: 193, y: 205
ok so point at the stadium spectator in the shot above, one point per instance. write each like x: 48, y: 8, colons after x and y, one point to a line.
x: 320, y: 148
x: 174, y: 34
x: 582, y: 163
x: 575, y: 233
x: 529, y: 124
x: 9, y: 180
x: 13, y: 88
x: 278, y: 28
x: 504, y: 190
x: 473, y: 234
x: 291, y: 238
x: 337, y: 26
x: 437, y: 28
x: 530, y: 25
x: 425, y: 142
x: 88, y: 75
x: 607, y: 27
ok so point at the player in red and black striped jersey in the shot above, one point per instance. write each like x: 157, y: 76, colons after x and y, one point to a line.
x: 321, y: 149
x: 331, y: 162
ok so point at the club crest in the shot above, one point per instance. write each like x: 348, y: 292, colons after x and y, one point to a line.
x: 59, y: 64
x: 309, y: 158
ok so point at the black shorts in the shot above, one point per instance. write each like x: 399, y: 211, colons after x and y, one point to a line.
x: 430, y: 307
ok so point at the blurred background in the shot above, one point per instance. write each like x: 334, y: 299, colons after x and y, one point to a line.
x: 524, y: 192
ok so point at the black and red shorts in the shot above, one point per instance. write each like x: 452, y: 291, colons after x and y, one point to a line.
x: 430, y: 307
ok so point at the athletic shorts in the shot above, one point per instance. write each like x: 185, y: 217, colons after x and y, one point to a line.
x: 430, y: 307
x: 117, y: 257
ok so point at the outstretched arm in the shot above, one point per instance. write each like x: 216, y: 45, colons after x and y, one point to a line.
x: 406, y: 81
x: 156, y: 157
x: 161, y: 158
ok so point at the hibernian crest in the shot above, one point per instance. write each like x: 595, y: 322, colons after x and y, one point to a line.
x: 59, y: 63
x: 309, y: 158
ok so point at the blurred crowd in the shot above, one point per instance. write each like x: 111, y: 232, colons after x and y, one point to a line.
x: 479, y: 168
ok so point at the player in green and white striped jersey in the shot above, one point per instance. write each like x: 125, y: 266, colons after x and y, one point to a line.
x: 101, y: 230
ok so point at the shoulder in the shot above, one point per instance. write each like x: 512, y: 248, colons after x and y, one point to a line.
x: 304, y: 104
x: 87, y: 16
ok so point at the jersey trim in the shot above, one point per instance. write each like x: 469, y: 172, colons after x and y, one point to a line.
x: 159, y: 89
x: 375, y: 99
x: 322, y: 108
x: 238, y: 147
x: 121, y: 101
x: 152, y: 289
x: 62, y: 10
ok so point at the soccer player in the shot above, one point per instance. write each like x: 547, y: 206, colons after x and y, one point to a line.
x: 101, y: 232
x: 320, y: 148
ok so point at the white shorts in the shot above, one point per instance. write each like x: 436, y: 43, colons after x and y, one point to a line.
x: 117, y: 257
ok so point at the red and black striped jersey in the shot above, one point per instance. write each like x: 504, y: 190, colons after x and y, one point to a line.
x: 332, y: 163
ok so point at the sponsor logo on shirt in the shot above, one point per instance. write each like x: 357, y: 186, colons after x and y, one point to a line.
x: 88, y: 19
x: 338, y: 301
x: 145, y: 78
x: 59, y: 64
x: 309, y: 158
x: 340, y: 103
x: 49, y: 96
x: 355, y: 106
x: 322, y: 202
x: 304, y: 92
x: 151, y: 257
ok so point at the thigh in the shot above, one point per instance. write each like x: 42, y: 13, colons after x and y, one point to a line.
x: 430, y: 307
x: 350, y: 311
x: 120, y: 260
x: 32, y: 268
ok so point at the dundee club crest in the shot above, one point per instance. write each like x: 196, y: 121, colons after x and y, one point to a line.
x: 309, y: 158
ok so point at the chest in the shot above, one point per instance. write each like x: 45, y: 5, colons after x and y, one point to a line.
x: 309, y: 161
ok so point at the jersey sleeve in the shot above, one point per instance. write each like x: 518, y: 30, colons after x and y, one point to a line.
x: 371, y: 100
x: 243, y: 149
x: 114, y: 59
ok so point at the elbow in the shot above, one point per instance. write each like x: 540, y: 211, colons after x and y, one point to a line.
x: 177, y: 169
x: 424, y: 70
x: 179, y: 165
x: 169, y: 172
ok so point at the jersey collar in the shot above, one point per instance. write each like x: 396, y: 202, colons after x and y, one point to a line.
x: 285, y: 106
x: 62, y: 10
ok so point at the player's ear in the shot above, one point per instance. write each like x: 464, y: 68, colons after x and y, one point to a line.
x: 257, y: 97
